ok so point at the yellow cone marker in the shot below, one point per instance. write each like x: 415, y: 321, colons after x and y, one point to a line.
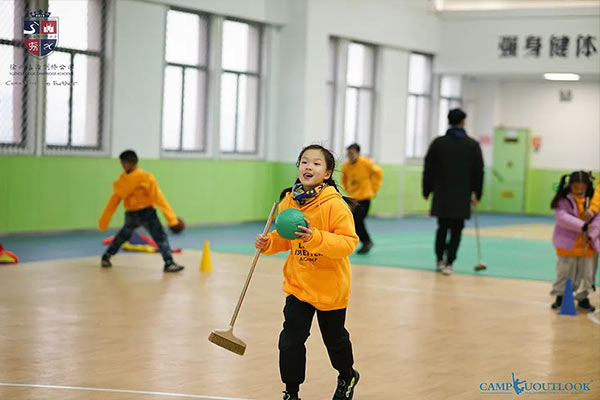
x: 206, y: 264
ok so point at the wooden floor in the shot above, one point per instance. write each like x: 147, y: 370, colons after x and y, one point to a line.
x: 416, y: 334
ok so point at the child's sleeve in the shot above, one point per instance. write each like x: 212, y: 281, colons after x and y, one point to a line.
x: 376, y: 176
x: 159, y: 199
x: 276, y: 244
x: 339, y: 243
x: 108, y: 212
x: 568, y: 221
x: 594, y: 228
x: 595, y: 203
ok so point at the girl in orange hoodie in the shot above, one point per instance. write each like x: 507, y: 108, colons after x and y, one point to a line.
x: 317, y: 272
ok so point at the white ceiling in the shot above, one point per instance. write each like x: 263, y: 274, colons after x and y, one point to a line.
x: 456, y: 5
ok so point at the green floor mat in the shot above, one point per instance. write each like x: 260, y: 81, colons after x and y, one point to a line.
x: 506, y: 258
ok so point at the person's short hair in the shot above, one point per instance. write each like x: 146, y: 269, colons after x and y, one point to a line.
x: 456, y: 116
x: 354, y: 146
x: 129, y: 156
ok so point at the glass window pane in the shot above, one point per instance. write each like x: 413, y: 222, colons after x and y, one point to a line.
x: 240, y: 46
x: 422, y: 126
x: 78, y: 23
x: 332, y: 56
x: 443, y: 117
x: 171, y: 121
x: 11, y: 97
x: 411, y: 123
x: 7, y: 20
x: 186, y: 38
x: 455, y: 104
x: 193, y: 109
x: 247, y: 113
x: 361, y: 60
x: 450, y: 86
x: 365, y: 112
x: 419, y: 74
x: 57, y: 105
x: 86, y: 73
x: 350, y: 117
x: 228, y: 106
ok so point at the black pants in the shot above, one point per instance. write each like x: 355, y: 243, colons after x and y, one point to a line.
x: 296, y: 329
x: 147, y: 218
x: 360, y: 213
x: 455, y: 226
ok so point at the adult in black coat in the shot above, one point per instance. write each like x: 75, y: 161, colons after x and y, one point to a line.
x: 454, y: 174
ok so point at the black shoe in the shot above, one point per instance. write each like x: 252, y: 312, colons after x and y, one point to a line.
x: 106, y: 261
x: 585, y: 305
x: 365, y: 248
x: 173, y: 267
x: 289, y: 396
x: 557, y: 303
x: 345, y: 390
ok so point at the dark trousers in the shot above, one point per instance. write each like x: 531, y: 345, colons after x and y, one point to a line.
x: 147, y: 218
x: 296, y: 329
x: 455, y: 226
x: 360, y: 213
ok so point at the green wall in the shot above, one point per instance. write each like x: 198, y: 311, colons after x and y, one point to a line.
x: 62, y: 193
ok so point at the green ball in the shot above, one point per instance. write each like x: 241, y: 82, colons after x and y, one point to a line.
x: 287, y: 223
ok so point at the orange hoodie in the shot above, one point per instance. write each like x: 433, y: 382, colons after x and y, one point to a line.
x: 362, y: 179
x: 139, y: 190
x: 318, y: 271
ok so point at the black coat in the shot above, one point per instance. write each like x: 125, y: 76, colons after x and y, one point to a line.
x: 453, y: 170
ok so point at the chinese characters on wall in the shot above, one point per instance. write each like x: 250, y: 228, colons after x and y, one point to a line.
x: 557, y: 46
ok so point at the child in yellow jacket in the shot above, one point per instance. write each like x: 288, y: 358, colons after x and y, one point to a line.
x: 317, y: 273
x: 361, y: 179
x: 140, y: 192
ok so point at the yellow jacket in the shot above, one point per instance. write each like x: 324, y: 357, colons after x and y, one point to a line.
x: 318, y: 271
x: 138, y: 190
x: 362, y: 179
x: 595, y: 203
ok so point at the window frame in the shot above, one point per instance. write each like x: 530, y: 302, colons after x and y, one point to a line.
x: 259, y: 75
x: 414, y: 159
x: 205, y: 148
x: 101, y: 145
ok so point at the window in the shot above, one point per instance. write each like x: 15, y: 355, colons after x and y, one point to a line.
x: 185, y: 79
x: 450, y: 98
x: 240, y: 82
x: 360, y: 87
x: 418, y: 105
x: 331, y: 88
x: 73, y: 106
x: 12, y: 55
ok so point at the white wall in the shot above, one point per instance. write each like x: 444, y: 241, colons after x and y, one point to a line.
x: 570, y: 131
x: 138, y: 76
x: 399, y: 27
x: 470, y: 41
x: 267, y: 11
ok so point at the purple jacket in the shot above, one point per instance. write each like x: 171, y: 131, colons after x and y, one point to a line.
x: 568, y: 226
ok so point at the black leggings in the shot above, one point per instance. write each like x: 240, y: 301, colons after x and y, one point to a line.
x: 147, y: 218
x: 360, y: 213
x: 296, y: 329
x: 455, y: 226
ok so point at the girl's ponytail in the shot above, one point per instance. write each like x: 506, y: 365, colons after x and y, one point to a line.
x: 561, y: 192
x: 349, y: 200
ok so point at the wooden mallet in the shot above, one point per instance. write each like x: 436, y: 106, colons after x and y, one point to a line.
x: 225, y: 338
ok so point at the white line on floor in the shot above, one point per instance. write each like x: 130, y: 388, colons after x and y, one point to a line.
x: 92, y: 389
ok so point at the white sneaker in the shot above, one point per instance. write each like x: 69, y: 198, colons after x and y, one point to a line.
x: 447, y: 270
x: 440, y: 266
